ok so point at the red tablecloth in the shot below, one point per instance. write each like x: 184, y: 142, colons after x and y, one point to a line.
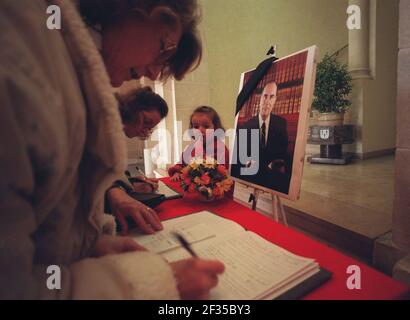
x: 375, y: 285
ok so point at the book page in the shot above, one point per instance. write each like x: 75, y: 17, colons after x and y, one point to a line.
x: 194, y: 228
x: 165, y: 240
x: 218, y: 224
x: 254, y: 268
x: 167, y: 191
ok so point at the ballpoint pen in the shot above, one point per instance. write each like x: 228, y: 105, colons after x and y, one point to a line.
x: 185, y: 244
x: 140, y: 172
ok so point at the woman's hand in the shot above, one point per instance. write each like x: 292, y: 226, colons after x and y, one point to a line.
x: 177, y: 177
x: 196, y: 277
x: 147, y: 185
x: 142, y: 187
x: 115, y: 245
x: 122, y: 206
x: 153, y: 182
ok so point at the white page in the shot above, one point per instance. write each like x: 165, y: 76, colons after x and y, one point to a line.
x: 218, y: 224
x: 165, y: 240
x: 251, y: 268
x: 165, y: 190
x: 194, y: 227
x: 254, y: 267
x: 269, y: 294
x: 176, y: 255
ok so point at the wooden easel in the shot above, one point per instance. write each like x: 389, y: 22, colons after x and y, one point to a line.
x: 277, y: 207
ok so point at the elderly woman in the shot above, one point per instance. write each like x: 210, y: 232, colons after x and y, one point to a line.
x: 171, y: 47
x: 62, y: 147
x: 154, y: 38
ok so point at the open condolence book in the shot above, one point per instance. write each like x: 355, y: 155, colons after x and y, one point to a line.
x: 254, y: 268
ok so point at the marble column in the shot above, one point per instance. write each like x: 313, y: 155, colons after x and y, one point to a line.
x: 401, y: 214
x: 392, y: 251
x: 359, y: 43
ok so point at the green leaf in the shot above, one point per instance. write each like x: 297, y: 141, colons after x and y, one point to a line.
x: 333, y: 86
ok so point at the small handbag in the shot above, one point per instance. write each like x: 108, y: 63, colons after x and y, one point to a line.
x: 149, y: 199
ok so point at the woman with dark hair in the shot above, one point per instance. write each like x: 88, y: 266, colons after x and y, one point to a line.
x: 62, y: 147
x: 142, y: 112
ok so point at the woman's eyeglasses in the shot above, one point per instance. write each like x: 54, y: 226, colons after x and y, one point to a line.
x: 148, y: 127
x: 167, y: 50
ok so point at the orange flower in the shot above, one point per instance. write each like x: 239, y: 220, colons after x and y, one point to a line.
x: 225, y: 185
x: 185, y: 172
x: 198, y: 181
x: 206, y: 179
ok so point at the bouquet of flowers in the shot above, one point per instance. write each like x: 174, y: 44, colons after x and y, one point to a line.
x: 207, y: 178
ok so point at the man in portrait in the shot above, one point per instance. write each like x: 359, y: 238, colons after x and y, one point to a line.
x: 274, y: 168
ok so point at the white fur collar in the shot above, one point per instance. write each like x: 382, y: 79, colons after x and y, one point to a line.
x: 105, y: 142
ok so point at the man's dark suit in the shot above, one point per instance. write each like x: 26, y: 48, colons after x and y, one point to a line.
x: 274, y: 168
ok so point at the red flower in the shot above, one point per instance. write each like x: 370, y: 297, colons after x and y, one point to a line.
x: 206, y: 179
x: 191, y: 188
x: 217, y: 192
x: 222, y: 170
x: 187, y: 181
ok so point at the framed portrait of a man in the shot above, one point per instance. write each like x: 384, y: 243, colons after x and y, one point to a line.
x: 271, y: 126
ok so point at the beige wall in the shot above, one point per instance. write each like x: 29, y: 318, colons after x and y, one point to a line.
x: 194, y: 90
x: 239, y: 33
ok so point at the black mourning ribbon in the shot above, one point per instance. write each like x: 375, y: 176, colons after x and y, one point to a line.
x: 253, y: 82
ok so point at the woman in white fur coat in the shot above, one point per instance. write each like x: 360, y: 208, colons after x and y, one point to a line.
x: 61, y: 147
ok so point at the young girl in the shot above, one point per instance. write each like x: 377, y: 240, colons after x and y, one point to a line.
x: 202, y: 119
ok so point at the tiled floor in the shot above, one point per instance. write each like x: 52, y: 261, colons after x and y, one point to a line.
x: 357, y: 197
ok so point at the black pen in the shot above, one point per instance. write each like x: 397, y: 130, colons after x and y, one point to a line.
x: 141, y: 178
x: 185, y: 244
